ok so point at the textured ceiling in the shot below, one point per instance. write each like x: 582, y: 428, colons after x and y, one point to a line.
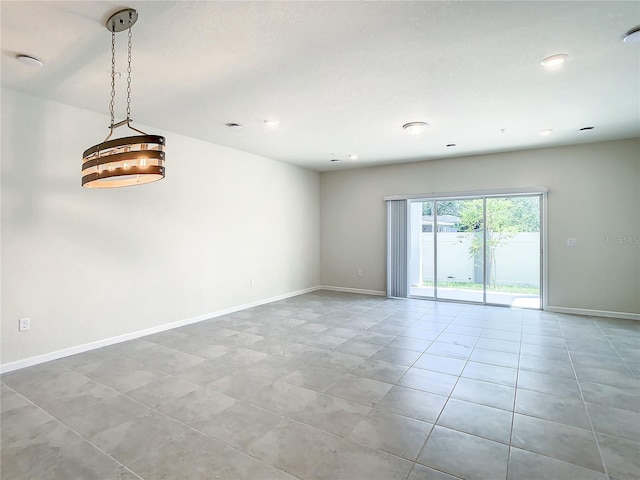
x: 343, y: 77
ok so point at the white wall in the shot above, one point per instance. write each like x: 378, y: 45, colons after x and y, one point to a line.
x: 86, y: 265
x: 594, y: 196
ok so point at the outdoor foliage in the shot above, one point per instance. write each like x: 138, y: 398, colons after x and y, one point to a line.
x: 506, y: 216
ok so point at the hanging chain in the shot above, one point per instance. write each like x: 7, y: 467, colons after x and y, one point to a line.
x: 113, y: 74
x: 129, y: 77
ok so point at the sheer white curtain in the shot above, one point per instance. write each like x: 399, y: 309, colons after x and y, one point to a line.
x: 397, y: 248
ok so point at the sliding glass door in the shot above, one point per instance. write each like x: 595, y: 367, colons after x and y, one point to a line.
x: 513, y: 251
x: 478, y: 249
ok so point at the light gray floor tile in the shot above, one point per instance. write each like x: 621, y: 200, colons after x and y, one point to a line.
x: 412, y: 403
x: 429, y: 381
x: 56, y: 453
x: 420, y: 472
x: 122, y: 374
x: 559, y: 409
x: 235, y: 379
x: 487, y: 422
x: 490, y: 373
x: 544, y: 365
x: 71, y: 394
x: 350, y: 460
x: 166, y: 359
x: 313, y: 377
x: 379, y: 370
x: 504, y: 335
x: 103, y: 416
x: 551, y: 384
x: 396, y: 356
x: 464, y: 455
x: 524, y: 465
x: 208, y: 372
x: 499, y: 345
x: 464, y: 330
x: 161, y: 391
x: 10, y: 399
x: 396, y: 434
x: 239, y: 425
x: 371, y: 336
x: 570, y: 444
x: 294, y: 447
x: 358, y: 348
x: 334, y: 359
x: 494, y: 357
x: 408, y: 343
x: 22, y: 426
x: 489, y: 394
x: 549, y: 353
x: 457, y: 339
x: 614, y: 421
x: 544, y: 340
x: 197, y: 406
x: 607, y: 376
x: 333, y: 415
x: 283, y: 398
x: 359, y: 389
x: 621, y: 456
x: 449, y: 350
x: 438, y: 363
x: 422, y: 333
x: 614, y: 396
x: 123, y: 441
x: 191, y: 455
x: 241, y: 385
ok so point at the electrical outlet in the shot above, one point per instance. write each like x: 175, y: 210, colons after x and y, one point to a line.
x: 24, y: 324
x: 253, y: 283
x: 359, y: 273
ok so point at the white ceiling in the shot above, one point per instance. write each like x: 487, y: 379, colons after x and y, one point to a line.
x: 343, y: 77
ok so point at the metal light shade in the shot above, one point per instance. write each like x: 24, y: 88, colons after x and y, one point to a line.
x: 124, y: 161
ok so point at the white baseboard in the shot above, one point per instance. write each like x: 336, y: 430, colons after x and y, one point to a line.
x: 593, y: 313
x: 352, y: 290
x: 66, y: 352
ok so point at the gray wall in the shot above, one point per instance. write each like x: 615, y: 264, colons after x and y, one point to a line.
x: 594, y: 196
x: 87, y: 265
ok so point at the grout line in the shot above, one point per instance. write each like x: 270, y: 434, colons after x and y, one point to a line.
x: 615, y: 349
x: 584, y: 403
x: 82, y: 437
x: 515, y: 399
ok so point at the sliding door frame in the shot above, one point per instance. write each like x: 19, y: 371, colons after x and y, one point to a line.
x: 484, y: 194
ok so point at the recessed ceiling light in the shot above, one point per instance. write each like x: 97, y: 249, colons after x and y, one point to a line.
x: 335, y: 160
x: 585, y: 129
x: 415, y: 128
x: 546, y: 132
x: 28, y: 60
x: 632, y: 36
x: 554, y: 61
x: 451, y: 144
x: 353, y: 156
x: 235, y: 126
x: 271, y: 122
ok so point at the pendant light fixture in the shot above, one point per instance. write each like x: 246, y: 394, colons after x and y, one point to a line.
x: 132, y: 160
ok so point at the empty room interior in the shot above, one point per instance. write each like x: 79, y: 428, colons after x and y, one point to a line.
x: 347, y: 240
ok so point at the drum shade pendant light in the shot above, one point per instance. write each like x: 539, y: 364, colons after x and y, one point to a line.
x: 125, y: 161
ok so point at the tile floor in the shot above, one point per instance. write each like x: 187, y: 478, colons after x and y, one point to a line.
x: 338, y: 386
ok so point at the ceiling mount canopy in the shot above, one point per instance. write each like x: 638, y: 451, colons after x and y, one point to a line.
x: 125, y: 161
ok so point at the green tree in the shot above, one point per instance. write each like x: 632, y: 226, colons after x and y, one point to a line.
x: 505, y: 217
x: 445, y: 207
